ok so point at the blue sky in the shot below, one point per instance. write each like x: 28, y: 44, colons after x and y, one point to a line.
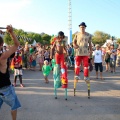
x: 51, y: 16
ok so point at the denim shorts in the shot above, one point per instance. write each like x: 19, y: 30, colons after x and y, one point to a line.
x: 8, y: 95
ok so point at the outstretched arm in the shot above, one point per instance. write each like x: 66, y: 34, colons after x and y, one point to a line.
x: 12, y: 49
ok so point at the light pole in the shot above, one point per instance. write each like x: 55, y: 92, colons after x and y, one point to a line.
x: 69, y: 22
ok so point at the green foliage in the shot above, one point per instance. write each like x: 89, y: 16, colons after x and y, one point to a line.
x: 32, y: 36
x: 46, y: 39
x: 7, y: 39
x: 73, y: 35
x: 100, y: 37
x: 118, y: 40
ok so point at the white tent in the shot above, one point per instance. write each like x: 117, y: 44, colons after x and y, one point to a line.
x: 34, y: 43
x: 5, y: 44
x: 109, y: 42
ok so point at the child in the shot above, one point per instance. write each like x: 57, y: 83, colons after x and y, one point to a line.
x: 17, y: 62
x: 46, y: 70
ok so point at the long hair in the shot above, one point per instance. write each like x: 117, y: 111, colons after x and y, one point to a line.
x: 1, y: 40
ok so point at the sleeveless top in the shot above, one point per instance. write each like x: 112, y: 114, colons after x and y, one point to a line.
x: 5, y: 79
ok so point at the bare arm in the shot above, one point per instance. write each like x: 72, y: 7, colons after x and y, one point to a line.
x: 52, y: 50
x: 64, y: 48
x: 90, y: 46
x: 12, y: 49
x: 75, y: 42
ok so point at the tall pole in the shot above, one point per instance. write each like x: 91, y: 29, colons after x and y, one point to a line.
x: 69, y: 22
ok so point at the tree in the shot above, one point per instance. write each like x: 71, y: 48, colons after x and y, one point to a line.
x: 100, y: 37
x: 7, y: 39
x: 46, y: 39
x: 37, y: 37
x: 118, y: 40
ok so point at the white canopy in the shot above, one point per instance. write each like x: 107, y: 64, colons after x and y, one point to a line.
x: 34, y: 43
x: 5, y: 44
x: 110, y: 42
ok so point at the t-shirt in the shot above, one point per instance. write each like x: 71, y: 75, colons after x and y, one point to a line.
x: 82, y: 41
x: 113, y: 55
x: 46, y: 54
x: 46, y: 70
x: 98, y: 56
x: 31, y: 50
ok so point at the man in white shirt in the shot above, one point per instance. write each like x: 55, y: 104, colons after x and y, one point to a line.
x: 98, y: 60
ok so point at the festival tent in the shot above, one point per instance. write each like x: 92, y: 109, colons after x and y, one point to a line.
x: 34, y: 43
x: 108, y: 41
x: 5, y: 44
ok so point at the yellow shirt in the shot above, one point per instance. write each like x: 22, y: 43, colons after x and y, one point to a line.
x: 82, y: 41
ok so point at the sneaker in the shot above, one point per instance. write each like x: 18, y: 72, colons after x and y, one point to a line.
x: 86, y: 78
x: 77, y: 77
x: 21, y: 85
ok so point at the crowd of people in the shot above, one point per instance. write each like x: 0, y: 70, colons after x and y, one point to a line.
x: 29, y: 56
x: 80, y: 55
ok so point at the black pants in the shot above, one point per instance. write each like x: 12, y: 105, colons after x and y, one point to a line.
x: 99, y: 66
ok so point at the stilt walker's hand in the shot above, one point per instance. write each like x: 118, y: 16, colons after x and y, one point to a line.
x: 76, y: 46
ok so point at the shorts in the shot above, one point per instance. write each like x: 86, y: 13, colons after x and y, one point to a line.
x: 8, y: 95
x: 18, y: 72
x: 34, y: 63
x: 100, y: 66
x: 107, y: 60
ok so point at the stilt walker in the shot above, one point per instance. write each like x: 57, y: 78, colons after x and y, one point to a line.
x: 82, y: 48
x: 60, y: 69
